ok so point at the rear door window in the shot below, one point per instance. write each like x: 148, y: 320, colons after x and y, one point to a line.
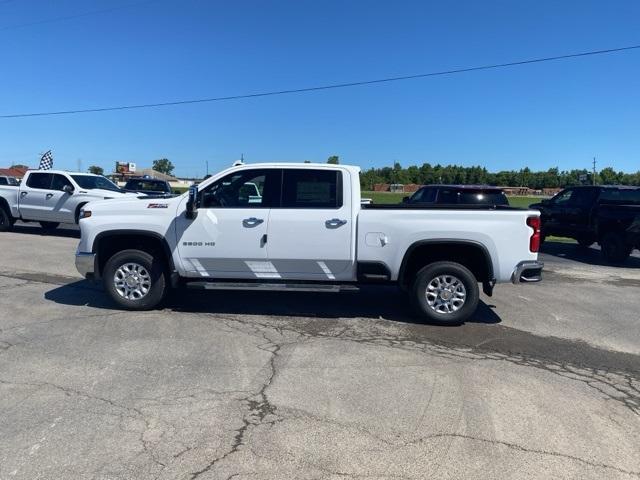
x: 306, y: 188
x: 448, y: 196
x: 620, y: 196
x: 40, y: 181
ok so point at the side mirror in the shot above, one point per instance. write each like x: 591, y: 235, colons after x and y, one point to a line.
x: 68, y: 189
x: 546, y: 202
x: 405, y: 199
x: 192, y: 203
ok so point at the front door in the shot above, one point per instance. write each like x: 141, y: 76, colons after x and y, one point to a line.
x: 311, y: 233
x: 577, y: 211
x: 59, y: 205
x: 32, y: 196
x: 228, y: 237
x: 554, y: 220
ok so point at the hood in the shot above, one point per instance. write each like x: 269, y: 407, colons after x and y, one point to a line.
x: 133, y: 203
x: 99, y: 192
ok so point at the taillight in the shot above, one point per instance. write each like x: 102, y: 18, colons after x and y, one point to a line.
x: 534, y: 241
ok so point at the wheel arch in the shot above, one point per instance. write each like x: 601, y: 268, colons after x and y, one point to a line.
x: 106, y: 244
x: 472, y: 254
x: 76, y: 215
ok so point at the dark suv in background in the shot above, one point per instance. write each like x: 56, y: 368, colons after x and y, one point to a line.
x: 458, y: 195
x: 150, y: 186
x: 609, y: 215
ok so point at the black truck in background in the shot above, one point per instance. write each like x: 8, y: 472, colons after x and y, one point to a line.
x: 608, y: 215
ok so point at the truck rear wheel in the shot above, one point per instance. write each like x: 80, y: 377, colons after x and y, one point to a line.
x: 445, y: 293
x: 6, y: 222
x: 135, y: 280
x: 613, y: 248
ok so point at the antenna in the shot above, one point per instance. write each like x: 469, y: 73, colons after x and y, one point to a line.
x: 239, y: 162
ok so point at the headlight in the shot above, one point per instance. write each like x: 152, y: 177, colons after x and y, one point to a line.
x: 85, y: 213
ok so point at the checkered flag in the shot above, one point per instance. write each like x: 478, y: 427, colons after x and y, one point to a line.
x: 46, y: 162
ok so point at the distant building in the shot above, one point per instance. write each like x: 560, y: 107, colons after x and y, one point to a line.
x: 13, y: 172
x: 122, y: 178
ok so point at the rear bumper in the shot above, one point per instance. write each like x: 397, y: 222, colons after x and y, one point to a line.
x: 529, y: 271
x: 86, y: 264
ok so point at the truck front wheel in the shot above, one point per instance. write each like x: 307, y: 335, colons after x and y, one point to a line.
x: 135, y: 280
x: 445, y: 293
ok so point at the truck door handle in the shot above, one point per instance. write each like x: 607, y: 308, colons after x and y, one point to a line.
x: 23, y: 194
x: 251, y: 222
x: 334, y: 223
x: 49, y: 195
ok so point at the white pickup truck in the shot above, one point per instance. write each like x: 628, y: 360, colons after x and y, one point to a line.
x: 304, y: 229
x: 52, y: 197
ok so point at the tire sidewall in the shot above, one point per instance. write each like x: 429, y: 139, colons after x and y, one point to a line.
x: 427, y: 274
x: 158, y: 288
x: 5, y: 221
x: 614, y: 248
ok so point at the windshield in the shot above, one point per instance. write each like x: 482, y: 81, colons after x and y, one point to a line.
x: 89, y: 182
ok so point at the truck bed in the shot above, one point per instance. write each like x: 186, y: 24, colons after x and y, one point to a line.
x: 386, y: 232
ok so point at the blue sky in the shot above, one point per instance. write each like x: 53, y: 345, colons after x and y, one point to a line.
x: 552, y: 114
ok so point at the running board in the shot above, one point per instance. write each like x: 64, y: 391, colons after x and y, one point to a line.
x: 273, y: 287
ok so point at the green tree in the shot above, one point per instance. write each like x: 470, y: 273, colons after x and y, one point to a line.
x: 163, y: 165
x: 96, y: 170
x: 608, y: 176
x: 333, y: 159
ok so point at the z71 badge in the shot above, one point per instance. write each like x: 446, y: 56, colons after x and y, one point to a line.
x: 158, y: 205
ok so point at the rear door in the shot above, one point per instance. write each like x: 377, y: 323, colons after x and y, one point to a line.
x: 227, y: 239
x: 32, y: 195
x: 310, y: 235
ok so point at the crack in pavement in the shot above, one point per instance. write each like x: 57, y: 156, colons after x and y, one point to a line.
x: 258, y: 406
x: 593, y: 378
x: 619, y: 386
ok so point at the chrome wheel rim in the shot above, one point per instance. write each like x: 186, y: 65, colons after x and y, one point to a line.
x: 132, y: 281
x: 446, y: 294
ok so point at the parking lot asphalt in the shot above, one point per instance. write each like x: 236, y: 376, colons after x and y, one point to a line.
x: 543, y: 383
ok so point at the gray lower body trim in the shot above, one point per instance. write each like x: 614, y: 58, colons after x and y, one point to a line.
x: 263, y: 268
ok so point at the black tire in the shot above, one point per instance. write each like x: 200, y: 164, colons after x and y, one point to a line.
x: 445, y: 269
x: 49, y: 225
x: 6, y: 221
x: 152, y: 267
x: 584, y: 242
x: 614, y: 249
